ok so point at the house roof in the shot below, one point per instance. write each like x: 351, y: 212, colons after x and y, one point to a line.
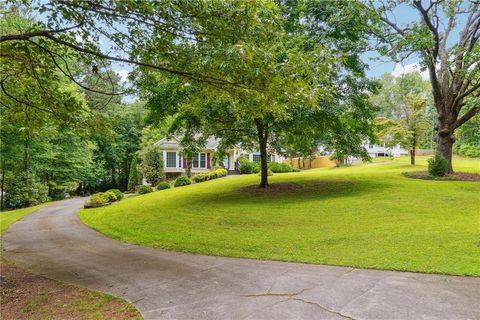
x: 174, y: 143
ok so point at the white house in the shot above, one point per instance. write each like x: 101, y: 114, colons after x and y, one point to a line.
x: 375, y: 150
x: 175, y: 163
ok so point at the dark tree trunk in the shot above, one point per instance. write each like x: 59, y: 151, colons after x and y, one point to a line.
x: 2, y: 187
x: 26, y: 157
x: 444, y: 148
x: 262, y: 132
x: 412, y: 151
x: 188, y: 169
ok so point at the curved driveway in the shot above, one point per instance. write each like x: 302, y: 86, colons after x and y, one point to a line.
x: 169, y: 285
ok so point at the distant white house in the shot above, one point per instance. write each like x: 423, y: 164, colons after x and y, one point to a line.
x: 375, y: 150
x: 175, y: 163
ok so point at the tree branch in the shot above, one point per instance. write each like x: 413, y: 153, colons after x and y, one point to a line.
x: 467, y: 116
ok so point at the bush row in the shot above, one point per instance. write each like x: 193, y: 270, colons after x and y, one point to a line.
x: 247, y: 167
x: 103, y: 198
x: 200, y: 177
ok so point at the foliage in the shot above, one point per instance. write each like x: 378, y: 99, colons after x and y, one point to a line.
x: 24, y: 191
x: 98, y: 199
x: 199, y: 177
x: 134, y: 178
x: 277, y: 167
x: 118, y: 194
x: 341, y: 202
x: 221, y: 172
x: 152, y: 164
x: 468, y: 138
x: 182, y: 181
x: 144, y: 189
x: 162, y: 185
x: 437, y: 166
x: 450, y: 51
x: 404, y: 112
x: 111, y: 197
x: 245, y: 167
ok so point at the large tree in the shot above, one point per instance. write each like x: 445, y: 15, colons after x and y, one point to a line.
x: 445, y: 36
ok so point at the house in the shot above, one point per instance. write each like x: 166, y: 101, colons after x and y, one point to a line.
x: 375, y: 150
x: 175, y: 164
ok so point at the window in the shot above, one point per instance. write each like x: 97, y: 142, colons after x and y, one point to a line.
x: 200, y: 160
x: 258, y: 158
x: 171, y: 161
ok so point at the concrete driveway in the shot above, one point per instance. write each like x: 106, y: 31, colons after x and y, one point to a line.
x: 169, y: 285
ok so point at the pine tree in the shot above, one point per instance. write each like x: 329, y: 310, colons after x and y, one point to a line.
x: 134, y: 176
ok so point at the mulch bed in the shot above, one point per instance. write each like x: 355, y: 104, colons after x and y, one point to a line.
x: 29, y: 296
x: 277, y: 188
x: 457, y: 176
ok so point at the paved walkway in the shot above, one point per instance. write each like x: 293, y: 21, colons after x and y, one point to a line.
x: 169, y: 285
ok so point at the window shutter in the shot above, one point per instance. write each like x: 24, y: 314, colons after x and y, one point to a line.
x: 184, y: 162
x: 208, y: 161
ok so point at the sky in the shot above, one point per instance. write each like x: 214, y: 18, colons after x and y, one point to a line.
x: 377, y: 65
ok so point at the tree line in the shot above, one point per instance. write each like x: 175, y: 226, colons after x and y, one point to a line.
x: 261, y: 74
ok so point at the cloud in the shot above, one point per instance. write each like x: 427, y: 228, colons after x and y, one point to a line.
x: 123, y: 74
x: 409, y: 68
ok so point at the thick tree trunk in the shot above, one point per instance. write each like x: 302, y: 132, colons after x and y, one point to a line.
x: 262, y: 133
x: 444, y: 148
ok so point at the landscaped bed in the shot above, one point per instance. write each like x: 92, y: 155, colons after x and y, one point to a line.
x: 367, y: 216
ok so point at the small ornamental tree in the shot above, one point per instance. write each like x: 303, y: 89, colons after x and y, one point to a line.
x: 152, y: 165
x: 134, y: 176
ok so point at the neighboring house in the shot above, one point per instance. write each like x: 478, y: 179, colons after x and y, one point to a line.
x: 375, y: 150
x: 175, y: 163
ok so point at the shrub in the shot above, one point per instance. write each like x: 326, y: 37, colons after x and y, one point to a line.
x: 23, y: 191
x: 277, y: 167
x: 199, y: 177
x: 144, y: 189
x: 212, y: 175
x: 256, y: 167
x: 246, y: 167
x: 437, y: 166
x: 119, y: 194
x: 182, y: 181
x: 111, y: 197
x: 162, y: 185
x: 221, y: 172
x: 98, y: 199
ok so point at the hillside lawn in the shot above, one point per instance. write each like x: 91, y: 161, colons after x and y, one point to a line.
x: 366, y: 216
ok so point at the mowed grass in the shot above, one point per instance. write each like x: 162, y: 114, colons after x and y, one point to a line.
x: 366, y: 216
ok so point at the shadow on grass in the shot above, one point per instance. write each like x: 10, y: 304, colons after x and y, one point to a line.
x: 294, y: 192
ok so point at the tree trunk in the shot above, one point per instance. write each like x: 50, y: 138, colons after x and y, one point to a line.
x: 262, y: 133
x: 412, y: 151
x: 2, y: 187
x: 444, y: 148
x: 188, y: 169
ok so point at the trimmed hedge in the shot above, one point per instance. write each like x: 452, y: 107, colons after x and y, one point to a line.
x: 182, y: 181
x: 119, y: 194
x: 200, y: 177
x: 162, y: 185
x: 278, y: 167
x: 144, y: 189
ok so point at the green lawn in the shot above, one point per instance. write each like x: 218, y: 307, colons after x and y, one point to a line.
x: 9, y: 217
x: 367, y: 216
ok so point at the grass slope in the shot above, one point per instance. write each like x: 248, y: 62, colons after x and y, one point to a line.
x: 367, y: 216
